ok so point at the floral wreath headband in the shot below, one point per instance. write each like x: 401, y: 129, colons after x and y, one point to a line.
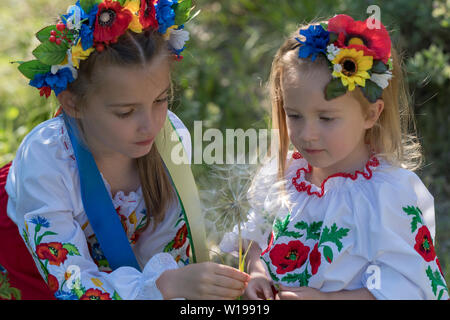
x: 356, y: 54
x: 91, y: 25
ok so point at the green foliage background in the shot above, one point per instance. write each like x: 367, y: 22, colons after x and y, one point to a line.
x: 222, y: 79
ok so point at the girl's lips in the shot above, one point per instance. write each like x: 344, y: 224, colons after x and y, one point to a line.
x: 313, y: 151
x: 144, y: 143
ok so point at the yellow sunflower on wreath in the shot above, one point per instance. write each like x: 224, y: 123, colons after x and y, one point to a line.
x: 351, y: 66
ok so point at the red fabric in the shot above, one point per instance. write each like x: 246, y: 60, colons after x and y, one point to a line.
x: 14, y: 255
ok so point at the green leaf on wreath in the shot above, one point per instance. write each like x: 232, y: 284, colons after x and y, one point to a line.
x: 379, y: 67
x: 72, y: 250
x: 87, y: 5
x: 182, y: 11
x: 44, y: 34
x: 31, y: 68
x: 312, y: 230
x: 371, y: 91
x: 334, y: 235
x: 334, y: 89
x: 328, y: 253
x: 417, y: 216
x: 50, y: 53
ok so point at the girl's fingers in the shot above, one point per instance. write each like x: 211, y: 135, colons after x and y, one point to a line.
x: 231, y: 273
x: 226, y: 282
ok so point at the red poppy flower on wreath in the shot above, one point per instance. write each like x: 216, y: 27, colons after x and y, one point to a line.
x: 52, y: 283
x: 314, y: 259
x: 180, y: 237
x: 53, y: 252
x: 356, y: 34
x: 424, y: 244
x: 112, y: 21
x: 288, y: 257
x: 95, y: 294
x: 147, y: 14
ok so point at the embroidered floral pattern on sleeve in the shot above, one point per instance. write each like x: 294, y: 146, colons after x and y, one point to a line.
x: 424, y: 246
x: 180, y: 245
x: 55, y: 254
x: 298, y: 256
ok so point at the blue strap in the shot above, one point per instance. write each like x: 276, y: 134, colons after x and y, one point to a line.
x: 99, y: 207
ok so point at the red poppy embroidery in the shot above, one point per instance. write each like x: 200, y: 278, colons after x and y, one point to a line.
x: 52, y: 283
x: 188, y: 248
x: 53, y: 252
x: 314, y: 259
x: 306, y: 186
x: 288, y: 257
x: 180, y: 237
x: 111, y: 22
x: 424, y: 244
x: 95, y: 294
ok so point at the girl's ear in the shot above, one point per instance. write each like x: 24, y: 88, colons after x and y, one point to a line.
x: 373, y: 113
x: 67, y: 101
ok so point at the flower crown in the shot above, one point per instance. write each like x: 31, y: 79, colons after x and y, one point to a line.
x: 91, y: 25
x: 357, y: 55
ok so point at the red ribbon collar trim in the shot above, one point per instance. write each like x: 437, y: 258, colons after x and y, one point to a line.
x: 305, y: 186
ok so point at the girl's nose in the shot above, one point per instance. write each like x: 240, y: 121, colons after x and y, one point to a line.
x: 309, y: 132
x: 146, y: 122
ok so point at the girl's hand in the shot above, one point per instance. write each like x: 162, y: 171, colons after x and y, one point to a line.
x: 207, y: 280
x: 259, y: 287
x: 300, y: 293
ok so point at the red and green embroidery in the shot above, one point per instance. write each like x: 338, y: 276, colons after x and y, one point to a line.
x: 424, y: 246
x: 56, y: 253
x: 291, y: 256
x: 179, y: 246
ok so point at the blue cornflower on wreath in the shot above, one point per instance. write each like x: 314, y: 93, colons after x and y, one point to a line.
x: 86, y: 32
x: 165, y: 14
x: 57, y: 82
x: 317, y: 39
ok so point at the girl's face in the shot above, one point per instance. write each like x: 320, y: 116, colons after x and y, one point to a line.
x: 328, y: 134
x: 127, y: 109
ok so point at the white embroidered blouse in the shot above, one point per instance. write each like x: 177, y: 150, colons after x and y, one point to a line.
x: 372, y: 229
x: 45, y: 202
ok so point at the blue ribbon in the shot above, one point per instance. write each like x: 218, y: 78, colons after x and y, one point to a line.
x: 99, y: 207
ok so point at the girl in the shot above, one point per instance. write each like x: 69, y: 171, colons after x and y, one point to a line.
x: 350, y: 221
x: 109, y: 65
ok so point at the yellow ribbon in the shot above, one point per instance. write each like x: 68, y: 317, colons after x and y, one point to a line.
x: 166, y: 141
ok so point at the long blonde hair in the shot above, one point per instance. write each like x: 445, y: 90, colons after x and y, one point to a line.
x: 393, y: 137
x: 133, y: 49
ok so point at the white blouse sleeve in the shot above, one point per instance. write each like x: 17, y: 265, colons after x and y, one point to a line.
x: 184, y: 134
x: 264, y: 199
x: 397, y: 241
x: 42, y: 202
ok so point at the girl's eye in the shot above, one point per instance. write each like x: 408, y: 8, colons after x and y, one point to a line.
x: 294, y: 116
x: 326, y: 119
x: 125, y: 115
x: 162, y: 100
